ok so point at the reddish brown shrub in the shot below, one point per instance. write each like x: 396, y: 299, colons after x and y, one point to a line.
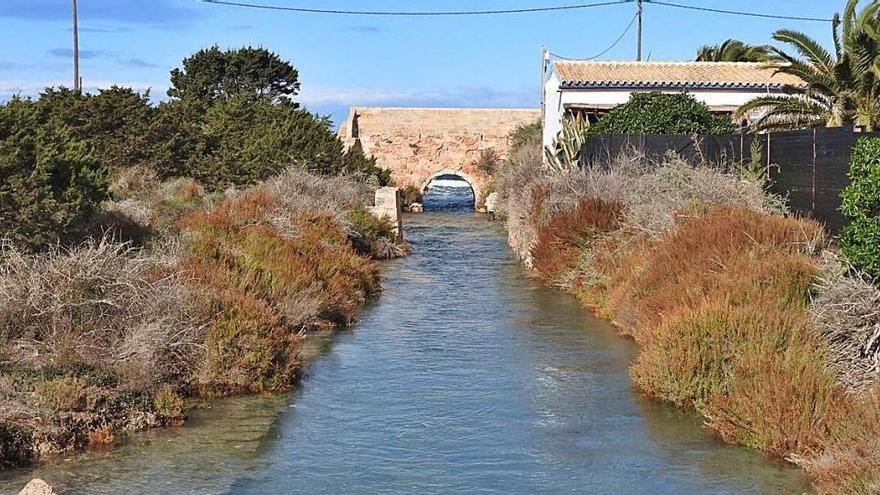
x: 850, y: 461
x: 726, y: 253
x: 269, y: 287
x: 565, y: 237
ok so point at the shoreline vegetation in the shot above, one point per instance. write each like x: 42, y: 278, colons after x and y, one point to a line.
x: 154, y: 254
x: 105, y: 338
x: 743, y: 313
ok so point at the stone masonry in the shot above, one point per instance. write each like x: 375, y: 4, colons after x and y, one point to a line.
x: 421, y: 144
x: 387, y: 205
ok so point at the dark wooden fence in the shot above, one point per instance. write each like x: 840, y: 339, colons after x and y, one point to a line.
x: 809, y: 167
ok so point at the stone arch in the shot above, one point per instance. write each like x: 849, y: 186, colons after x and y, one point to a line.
x: 457, y: 173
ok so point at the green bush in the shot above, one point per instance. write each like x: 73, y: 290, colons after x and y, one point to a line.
x: 233, y: 121
x: 62, y: 394
x: 860, y: 239
x: 51, y: 182
x: 373, y: 236
x: 662, y: 113
x: 169, y: 405
x: 116, y: 123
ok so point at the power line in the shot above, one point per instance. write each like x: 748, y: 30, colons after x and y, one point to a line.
x: 232, y: 3
x: 610, y: 47
x: 415, y: 13
x: 736, y: 12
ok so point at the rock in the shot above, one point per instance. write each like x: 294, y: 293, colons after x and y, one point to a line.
x: 37, y: 487
x: 416, y: 208
x: 491, y: 202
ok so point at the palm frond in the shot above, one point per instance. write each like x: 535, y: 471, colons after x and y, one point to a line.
x: 807, y: 47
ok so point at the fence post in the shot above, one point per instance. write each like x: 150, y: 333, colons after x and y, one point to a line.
x: 768, y: 154
x: 814, y: 172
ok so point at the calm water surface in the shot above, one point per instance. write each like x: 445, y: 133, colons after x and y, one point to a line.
x: 464, y: 377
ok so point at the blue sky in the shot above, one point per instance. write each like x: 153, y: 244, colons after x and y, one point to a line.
x: 463, y: 61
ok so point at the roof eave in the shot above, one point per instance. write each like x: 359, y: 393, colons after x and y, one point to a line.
x: 665, y: 85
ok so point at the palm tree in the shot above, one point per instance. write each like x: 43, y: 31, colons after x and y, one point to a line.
x: 839, y: 89
x: 733, y: 51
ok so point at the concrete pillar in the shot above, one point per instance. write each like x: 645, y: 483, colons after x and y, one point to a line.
x: 388, y: 205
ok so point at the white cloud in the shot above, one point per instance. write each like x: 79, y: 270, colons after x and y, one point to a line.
x: 9, y: 88
x: 458, y: 96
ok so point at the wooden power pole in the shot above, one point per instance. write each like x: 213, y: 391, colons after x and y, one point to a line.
x: 77, y: 85
x: 639, y: 42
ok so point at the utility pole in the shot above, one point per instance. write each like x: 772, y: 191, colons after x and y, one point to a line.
x: 544, y: 58
x: 639, y: 44
x: 77, y: 84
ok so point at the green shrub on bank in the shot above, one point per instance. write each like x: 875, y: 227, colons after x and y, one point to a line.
x: 662, y: 113
x: 232, y: 121
x: 860, y: 239
x: 373, y: 236
x: 51, y: 182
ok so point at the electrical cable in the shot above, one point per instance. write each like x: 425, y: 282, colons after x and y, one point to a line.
x: 736, y: 12
x: 603, y: 52
x: 415, y: 13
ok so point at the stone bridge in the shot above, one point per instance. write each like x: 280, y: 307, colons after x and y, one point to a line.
x: 419, y: 145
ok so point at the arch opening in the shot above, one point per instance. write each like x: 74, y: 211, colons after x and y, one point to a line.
x: 449, y: 191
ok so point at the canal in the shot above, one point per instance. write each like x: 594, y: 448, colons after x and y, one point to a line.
x: 464, y: 377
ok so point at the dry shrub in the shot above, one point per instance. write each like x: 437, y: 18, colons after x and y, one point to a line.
x: 373, y: 236
x: 726, y: 253
x: 298, y: 190
x: 515, y: 181
x: 654, y: 195
x: 754, y: 371
x: 850, y: 462
x: 719, y: 306
x: 566, y: 236
x: 101, y: 436
x: 101, y: 304
x: 782, y: 399
x: 16, y: 445
x: 657, y: 198
x: 127, y: 182
x: 268, y: 287
x: 846, y: 311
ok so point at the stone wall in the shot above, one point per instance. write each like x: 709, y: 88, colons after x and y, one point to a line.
x: 387, y: 205
x: 420, y: 144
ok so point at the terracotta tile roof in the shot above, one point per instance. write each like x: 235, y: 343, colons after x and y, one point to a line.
x: 684, y: 75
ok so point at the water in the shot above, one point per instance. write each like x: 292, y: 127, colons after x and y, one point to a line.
x: 464, y: 377
x: 449, y: 195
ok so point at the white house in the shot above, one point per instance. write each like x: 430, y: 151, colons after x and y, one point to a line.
x: 591, y: 88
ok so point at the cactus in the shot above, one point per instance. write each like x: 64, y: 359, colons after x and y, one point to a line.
x: 566, y: 151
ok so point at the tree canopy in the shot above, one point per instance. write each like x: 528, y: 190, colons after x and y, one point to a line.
x: 211, y: 74
x: 51, y: 182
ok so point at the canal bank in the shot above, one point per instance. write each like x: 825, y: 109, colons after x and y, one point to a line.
x: 465, y: 376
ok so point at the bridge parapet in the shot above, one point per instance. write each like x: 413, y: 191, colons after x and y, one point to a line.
x: 419, y: 144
